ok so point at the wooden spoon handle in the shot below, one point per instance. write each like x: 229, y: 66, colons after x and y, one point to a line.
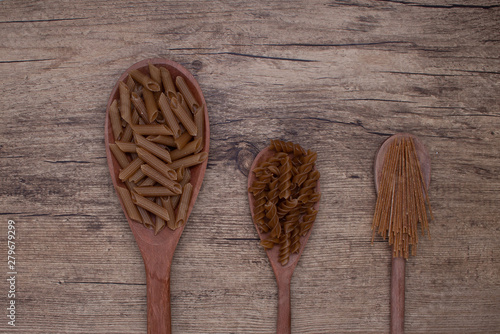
x: 158, y: 292
x: 398, y: 295
x: 284, y: 325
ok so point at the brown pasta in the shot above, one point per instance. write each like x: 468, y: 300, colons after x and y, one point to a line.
x: 186, y: 92
x: 284, y: 197
x: 145, y: 80
x: 156, y: 139
x: 114, y: 117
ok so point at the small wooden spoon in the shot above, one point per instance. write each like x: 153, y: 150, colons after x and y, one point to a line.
x: 158, y: 250
x: 398, y: 263
x: 283, y: 273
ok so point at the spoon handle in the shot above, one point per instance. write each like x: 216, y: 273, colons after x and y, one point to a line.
x: 398, y: 295
x: 158, y: 293
x: 284, y: 325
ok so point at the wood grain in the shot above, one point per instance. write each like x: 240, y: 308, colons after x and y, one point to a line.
x: 338, y: 77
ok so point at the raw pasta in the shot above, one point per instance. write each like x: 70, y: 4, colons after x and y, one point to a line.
x: 155, y: 142
x: 285, y: 194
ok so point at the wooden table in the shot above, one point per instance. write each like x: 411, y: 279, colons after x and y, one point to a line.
x: 337, y: 77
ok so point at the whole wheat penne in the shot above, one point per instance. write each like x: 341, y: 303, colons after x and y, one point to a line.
x: 156, y: 163
x: 130, y: 83
x: 128, y: 204
x: 190, y: 148
x: 152, y: 148
x: 190, y: 160
x: 199, y: 120
x: 186, y: 92
x: 146, y: 217
x: 127, y: 134
x: 167, y: 204
x: 180, y: 173
x: 182, y: 102
x: 120, y: 157
x: 164, y: 140
x: 140, y: 107
x: 125, y: 110
x: 147, y: 182
x: 137, y: 176
x: 114, y: 118
x: 183, y: 140
x: 145, y: 80
x: 152, y: 129
x: 130, y: 185
x: 127, y: 147
x: 168, y: 83
x: 183, y: 182
x: 169, y: 115
x: 150, y: 206
x: 159, y: 221
x: 130, y: 169
x: 181, y: 217
x: 161, y: 179
x: 154, y: 191
x: 155, y: 74
x: 184, y: 116
x: 150, y: 102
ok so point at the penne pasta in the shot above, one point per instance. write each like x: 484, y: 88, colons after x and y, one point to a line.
x: 128, y: 171
x: 140, y: 107
x: 181, y: 217
x: 120, y: 157
x: 183, y: 116
x: 155, y: 74
x: 159, y: 221
x: 127, y: 147
x: 183, y: 140
x: 151, y: 129
x: 130, y: 208
x: 150, y: 206
x: 190, y: 160
x: 154, y: 191
x: 161, y: 179
x: 169, y: 115
x: 168, y: 83
x: 183, y: 182
x: 186, y: 92
x: 182, y: 102
x: 125, y: 110
x: 199, y: 121
x: 150, y: 102
x: 147, y: 182
x: 167, y: 204
x: 164, y: 140
x: 146, y: 218
x: 190, y: 148
x: 114, y: 117
x: 137, y: 176
x: 152, y: 148
x: 145, y: 80
x: 156, y: 163
x: 180, y: 173
x: 130, y: 83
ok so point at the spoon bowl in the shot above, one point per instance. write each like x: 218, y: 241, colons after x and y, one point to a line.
x: 283, y: 273
x: 398, y: 263
x: 157, y: 250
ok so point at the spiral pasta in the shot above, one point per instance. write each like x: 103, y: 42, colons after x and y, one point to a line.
x: 285, y: 196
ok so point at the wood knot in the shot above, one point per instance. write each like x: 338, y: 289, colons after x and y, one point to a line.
x: 244, y: 158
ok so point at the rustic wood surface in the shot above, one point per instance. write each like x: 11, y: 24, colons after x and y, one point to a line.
x: 336, y: 76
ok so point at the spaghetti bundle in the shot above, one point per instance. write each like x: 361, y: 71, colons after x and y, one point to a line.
x: 402, y: 198
x: 155, y: 142
x: 285, y: 194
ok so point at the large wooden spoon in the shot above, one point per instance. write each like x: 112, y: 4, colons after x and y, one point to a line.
x: 283, y: 273
x: 398, y: 263
x: 158, y: 250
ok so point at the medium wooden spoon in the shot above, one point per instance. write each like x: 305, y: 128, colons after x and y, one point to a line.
x: 283, y: 273
x: 158, y: 250
x: 398, y: 263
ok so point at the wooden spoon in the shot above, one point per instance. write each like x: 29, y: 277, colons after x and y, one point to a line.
x: 158, y: 250
x: 283, y: 273
x: 398, y: 263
